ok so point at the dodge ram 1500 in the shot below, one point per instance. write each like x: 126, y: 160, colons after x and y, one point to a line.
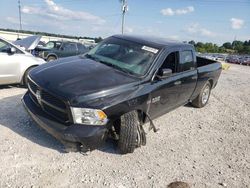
x: 115, y: 88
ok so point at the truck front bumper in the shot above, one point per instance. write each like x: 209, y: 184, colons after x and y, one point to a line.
x: 91, y: 137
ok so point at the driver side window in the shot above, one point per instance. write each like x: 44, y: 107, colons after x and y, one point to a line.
x: 171, y: 62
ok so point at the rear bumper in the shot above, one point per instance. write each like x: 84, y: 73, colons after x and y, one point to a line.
x: 91, y: 137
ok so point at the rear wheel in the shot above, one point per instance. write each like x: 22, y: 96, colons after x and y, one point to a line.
x: 202, y: 99
x: 130, y: 133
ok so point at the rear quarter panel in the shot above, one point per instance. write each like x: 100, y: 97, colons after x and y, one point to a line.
x: 207, y: 73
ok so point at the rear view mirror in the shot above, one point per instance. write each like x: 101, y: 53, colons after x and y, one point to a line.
x: 164, y: 73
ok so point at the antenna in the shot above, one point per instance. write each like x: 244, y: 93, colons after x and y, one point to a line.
x: 20, y: 18
x: 124, y: 10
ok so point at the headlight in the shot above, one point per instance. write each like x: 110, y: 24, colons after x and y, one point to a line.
x: 89, y: 116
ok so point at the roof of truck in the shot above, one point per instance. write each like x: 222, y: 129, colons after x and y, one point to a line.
x: 153, y: 41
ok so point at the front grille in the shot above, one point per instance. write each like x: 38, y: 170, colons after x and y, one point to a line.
x: 53, y: 100
x: 48, y: 103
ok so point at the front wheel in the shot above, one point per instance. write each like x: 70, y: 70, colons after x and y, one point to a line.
x: 202, y: 99
x: 129, y: 135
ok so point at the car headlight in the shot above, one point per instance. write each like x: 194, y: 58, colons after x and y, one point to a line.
x: 89, y: 116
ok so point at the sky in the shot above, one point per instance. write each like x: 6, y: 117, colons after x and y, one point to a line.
x: 216, y: 21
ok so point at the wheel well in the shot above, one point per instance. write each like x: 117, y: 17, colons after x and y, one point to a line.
x: 141, y: 115
x: 22, y: 81
x: 51, y: 55
x: 211, y: 82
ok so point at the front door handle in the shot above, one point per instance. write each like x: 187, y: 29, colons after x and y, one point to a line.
x: 177, y: 82
x: 194, y: 77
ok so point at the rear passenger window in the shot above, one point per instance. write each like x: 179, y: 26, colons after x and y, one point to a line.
x: 81, y: 47
x: 187, y: 61
x: 70, y: 47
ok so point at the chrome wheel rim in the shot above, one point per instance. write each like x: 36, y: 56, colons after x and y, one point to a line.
x: 205, y: 95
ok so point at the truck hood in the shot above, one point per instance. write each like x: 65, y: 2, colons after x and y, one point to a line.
x: 78, y: 76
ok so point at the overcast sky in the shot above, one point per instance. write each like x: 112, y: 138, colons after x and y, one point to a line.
x: 200, y: 20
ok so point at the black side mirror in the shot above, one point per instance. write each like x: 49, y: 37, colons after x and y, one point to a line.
x: 11, y: 50
x: 164, y: 73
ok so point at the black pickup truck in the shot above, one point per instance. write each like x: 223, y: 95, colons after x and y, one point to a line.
x: 115, y: 88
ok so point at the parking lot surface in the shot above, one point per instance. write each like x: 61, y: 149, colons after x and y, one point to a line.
x: 208, y: 147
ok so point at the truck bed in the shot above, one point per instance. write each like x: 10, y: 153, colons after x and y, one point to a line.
x: 206, y: 69
x: 201, y: 61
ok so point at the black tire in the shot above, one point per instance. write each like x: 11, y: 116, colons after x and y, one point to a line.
x: 201, y: 101
x: 128, y: 136
x: 25, y: 77
x: 51, y: 58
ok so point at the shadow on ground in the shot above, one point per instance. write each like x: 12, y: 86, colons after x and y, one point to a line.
x: 14, y: 117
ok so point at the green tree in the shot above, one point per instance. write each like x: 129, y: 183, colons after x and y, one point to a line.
x: 227, y: 45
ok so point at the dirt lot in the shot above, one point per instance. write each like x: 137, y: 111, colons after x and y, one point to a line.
x: 207, y: 147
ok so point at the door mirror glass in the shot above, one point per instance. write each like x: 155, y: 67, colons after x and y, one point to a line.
x: 164, y: 73
x: 11, y: 50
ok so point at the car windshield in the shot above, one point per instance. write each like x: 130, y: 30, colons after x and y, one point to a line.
x: 127, y: 56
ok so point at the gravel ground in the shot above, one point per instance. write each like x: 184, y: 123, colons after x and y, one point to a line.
x: 207, y: 147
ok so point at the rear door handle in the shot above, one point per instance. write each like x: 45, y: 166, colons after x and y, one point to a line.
x: 194, y: 77
x: 177, y: 83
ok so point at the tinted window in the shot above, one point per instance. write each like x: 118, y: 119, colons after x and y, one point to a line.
x: 70, y: 47
x: 81, y: 48
x: 187, y: 61
x: 171, y: 61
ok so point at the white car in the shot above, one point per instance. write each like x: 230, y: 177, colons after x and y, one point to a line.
x: 15, y: 63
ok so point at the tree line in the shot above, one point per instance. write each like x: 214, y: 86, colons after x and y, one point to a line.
x: 236, y: 47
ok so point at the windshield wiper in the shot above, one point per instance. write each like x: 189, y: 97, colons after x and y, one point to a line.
x: 117, y: 67
x: 109, y: 64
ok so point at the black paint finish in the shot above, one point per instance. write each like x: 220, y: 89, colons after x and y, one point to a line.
x: 82, y: 82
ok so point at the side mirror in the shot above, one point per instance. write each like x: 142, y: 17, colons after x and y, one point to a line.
x: 164, y: 73
x: 11, y: 50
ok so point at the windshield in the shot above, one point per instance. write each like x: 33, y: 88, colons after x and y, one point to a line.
x: 128, y: 56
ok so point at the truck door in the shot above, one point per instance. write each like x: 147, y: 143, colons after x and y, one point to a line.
x: 187, y: 69
x: 166, y: 92
x: 175, y: 90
